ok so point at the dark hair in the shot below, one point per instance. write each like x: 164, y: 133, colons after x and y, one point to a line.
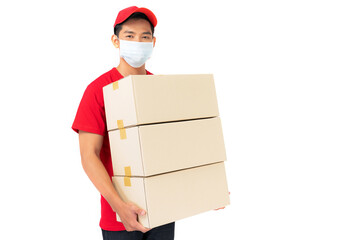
x: 137, y: 15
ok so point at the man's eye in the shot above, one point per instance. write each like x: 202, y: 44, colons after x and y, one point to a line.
x: 146, y: 37
x: 129, y: 36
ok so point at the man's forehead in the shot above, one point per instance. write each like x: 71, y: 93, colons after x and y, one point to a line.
x: 136, y: 25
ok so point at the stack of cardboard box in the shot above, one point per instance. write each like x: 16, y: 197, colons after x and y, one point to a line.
x: 166, y: 145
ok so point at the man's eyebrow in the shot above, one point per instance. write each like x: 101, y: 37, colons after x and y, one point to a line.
x: 132, y: 32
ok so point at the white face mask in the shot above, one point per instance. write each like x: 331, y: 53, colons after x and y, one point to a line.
x: 135, y: 53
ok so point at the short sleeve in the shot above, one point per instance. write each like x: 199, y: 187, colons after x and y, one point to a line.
x: 90, y: 116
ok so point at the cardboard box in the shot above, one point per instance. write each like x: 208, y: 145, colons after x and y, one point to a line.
x: 158, y: 148
x: 176, y: 195
x: 144, y: 99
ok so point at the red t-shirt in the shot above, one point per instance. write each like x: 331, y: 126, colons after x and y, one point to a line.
x: 90, y: 117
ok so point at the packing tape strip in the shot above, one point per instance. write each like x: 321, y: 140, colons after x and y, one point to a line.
x: 120, y: 124
x: 127, y: 171
x: 127, y: 181
x: 115, y: 85
x: 122, y: 133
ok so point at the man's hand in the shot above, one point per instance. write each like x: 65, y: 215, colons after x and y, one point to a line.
x: 128, y: 213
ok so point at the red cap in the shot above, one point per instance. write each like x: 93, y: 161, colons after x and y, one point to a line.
x: 125, y: 13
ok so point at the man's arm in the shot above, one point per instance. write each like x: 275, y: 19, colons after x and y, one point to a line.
x: 90, y: 146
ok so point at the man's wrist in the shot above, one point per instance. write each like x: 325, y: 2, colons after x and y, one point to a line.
x: 116, y: 203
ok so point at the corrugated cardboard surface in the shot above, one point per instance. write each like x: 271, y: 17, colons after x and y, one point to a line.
x: 176, y: 195
x: 131, y: 193
x: 120, y: 103
x: 159, y: 148
x: 143, y: 99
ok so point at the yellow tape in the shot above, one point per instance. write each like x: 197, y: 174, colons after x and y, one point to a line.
x: 115, y: 85
x: 120, y: 124
x: 127, y: 171
x: 127, y: 181
x: 122, y: 133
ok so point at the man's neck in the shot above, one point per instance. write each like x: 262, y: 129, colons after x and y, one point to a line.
x: 125, y: 69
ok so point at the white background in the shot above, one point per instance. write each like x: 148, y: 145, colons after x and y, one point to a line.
x: 287, y: 80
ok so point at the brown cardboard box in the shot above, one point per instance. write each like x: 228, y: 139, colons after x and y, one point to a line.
x: 166, y: 145
x: 158, y: 148
x: 144, y: 99
x: 176, y: 195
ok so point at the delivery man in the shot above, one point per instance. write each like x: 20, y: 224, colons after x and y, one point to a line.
x: 134, y: 36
